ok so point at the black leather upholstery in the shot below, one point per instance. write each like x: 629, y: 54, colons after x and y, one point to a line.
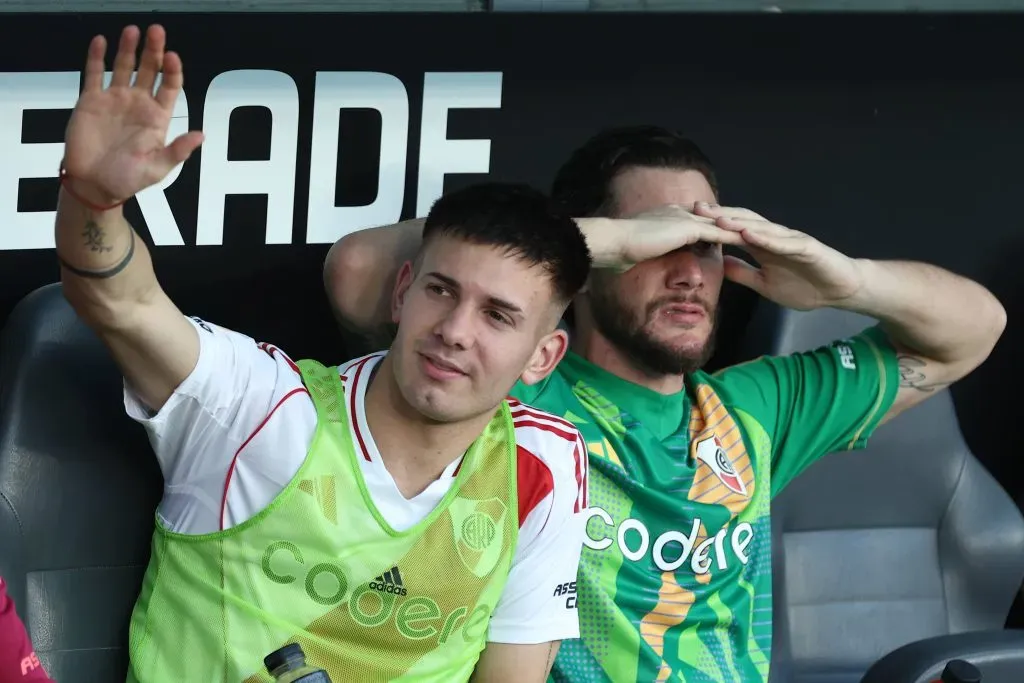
x: 78, y: 488
x: 905, y: 540
x: 998, y: 655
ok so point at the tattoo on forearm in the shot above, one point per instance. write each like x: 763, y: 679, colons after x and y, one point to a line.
x: 106, y: 272
x: 95, y: 238
x: 914, y: 375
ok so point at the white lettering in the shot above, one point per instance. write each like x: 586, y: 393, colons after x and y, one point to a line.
x: 740, y: 546
x: 700, y: 557
x: 846, y: 357
x: 700, y: 563
x: 720, y: 549
x: 597, y: 543
x: 685, y: 545
x: 20, y: 92
x: 356, y: 90
x: 274, y: 177
x: 645, y: 539
x: 439, y: 155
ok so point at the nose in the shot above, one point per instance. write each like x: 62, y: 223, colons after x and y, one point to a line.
x: 456, y: 327
x: 685, y: 270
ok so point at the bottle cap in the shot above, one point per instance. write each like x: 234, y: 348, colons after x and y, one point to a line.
x: 289, y: 654
x: 959, y: 671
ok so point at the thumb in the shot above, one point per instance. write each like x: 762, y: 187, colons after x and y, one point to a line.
x: 181, y: 149
x: 743, y: 273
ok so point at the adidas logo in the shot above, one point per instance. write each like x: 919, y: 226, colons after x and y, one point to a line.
x: 389, y: 582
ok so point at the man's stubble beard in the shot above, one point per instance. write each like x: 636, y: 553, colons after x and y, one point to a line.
x: 614, y: 320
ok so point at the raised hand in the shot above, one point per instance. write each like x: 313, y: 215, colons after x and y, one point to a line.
x: 660, y: 231
x: 795, y: 270
x: 115, y: 143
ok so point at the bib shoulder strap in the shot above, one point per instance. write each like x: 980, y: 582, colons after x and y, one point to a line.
x: 324, y: 385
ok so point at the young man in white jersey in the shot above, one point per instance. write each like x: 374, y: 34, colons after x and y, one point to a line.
x: 397, y: 516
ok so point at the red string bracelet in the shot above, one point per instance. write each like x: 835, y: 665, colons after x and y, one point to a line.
x: 65, y: 177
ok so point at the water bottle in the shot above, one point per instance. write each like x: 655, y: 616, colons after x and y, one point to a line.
x: 959, y: 671
x: 288, y: 665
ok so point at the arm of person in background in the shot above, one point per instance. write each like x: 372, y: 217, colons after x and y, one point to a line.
x: 941, y: 326
x: 359, y: 275
x: 18, y: 660
x: 935, y: 327
x: 114, y: 148
x: 538, y: 609
x: 360, y: 268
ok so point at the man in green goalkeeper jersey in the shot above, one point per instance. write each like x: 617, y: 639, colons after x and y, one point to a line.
x: 675, y: 579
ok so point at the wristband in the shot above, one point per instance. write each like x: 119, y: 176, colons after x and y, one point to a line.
x: 65, y: 177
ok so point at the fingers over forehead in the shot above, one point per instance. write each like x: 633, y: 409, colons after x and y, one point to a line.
x: 755, y: 225
x: 727, y: 211
x: 717, y: 235
x: 667, y: 211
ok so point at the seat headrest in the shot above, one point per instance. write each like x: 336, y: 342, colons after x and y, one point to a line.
x: 806, y: 330
x: 79, y: 478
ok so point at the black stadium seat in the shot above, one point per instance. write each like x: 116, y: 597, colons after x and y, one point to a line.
x: 78, y: 489
x: 997, y: 655
x: 907, y: 540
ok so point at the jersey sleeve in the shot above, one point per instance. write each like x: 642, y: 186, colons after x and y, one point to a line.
x: 817, y: 402
x: 538, y: 604
x: 197, y: 432
x: 18, y: 660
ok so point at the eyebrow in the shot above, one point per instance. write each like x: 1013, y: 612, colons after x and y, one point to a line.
x: 492, y: 300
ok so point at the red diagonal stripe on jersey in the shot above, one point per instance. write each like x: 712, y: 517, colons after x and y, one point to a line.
x: 231, y: 469
x: 352, y: 415
x: 270, y: 350
x: 525, y: 422
x: 521, y: 409
x: 581, y: 458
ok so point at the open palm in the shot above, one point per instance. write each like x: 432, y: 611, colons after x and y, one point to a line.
x: 115, y: 140
x: 796, y: 270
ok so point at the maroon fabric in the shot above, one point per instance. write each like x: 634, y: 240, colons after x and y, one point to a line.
x: 18, y: 661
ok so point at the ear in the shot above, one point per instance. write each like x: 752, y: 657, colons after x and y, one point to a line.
x: 549, y: 352
x: 402, y: 284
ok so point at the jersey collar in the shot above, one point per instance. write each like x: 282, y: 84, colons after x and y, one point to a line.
x: 661, y: 414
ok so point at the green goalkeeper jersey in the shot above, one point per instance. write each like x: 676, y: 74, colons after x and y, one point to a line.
x: 675, y: 579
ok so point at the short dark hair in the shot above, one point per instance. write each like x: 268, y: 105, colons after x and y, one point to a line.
x: 583, y: 185
x: 521, y: 220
